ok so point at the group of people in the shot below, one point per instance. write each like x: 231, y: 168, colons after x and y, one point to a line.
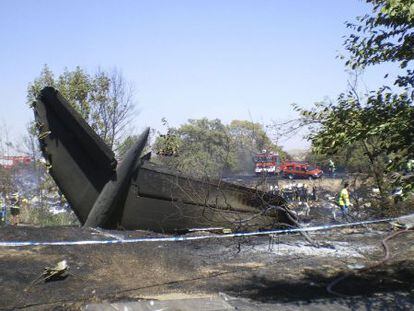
x: 10, y: 203
x: 300, y: 192
x: 295, y: 192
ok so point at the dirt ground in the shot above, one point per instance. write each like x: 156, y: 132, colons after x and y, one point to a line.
x: 282, y: 272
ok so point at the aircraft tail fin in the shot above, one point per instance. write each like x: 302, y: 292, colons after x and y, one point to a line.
x: 78, y: 159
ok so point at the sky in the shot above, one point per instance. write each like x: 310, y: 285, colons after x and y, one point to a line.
x: 226, y: 59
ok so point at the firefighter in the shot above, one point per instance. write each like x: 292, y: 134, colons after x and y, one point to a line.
x: 287, y: 193
x: 3, y: 210
x: 303, y: 193
x: 331, y: 168
x: 314, y: 193
x: 15, y: 208
x: 343, y: 199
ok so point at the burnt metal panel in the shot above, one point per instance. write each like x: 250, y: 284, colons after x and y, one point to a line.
x: 162, y: 201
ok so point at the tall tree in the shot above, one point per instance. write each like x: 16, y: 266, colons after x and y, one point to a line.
x: 104, y: 99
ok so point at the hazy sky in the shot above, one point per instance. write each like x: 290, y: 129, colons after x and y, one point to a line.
x: 186, y: 59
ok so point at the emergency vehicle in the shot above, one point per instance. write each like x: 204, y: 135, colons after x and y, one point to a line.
x: 267, y: 163
x: 9, y: 162
x: 294, y: 169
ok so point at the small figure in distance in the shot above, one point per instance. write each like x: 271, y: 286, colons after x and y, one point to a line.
x: 3, y: 210
x: 15, y: 208
x: 331, y: 168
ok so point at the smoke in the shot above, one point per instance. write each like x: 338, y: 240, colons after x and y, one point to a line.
x: 245, y: 163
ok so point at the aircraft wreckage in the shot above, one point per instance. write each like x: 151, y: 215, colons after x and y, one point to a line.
x: 135, y: 193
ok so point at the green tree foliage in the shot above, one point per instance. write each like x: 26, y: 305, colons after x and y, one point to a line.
x: 104, y: 99
x: 387, y: 35
x: 381, y: 122
x: 203, y: 148
x: 350, y: 159
x: 209, y: 148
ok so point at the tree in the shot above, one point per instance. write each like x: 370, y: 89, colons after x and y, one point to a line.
x: 105, y: 100
x: 387, y: 35
x: 203, y: 148
x: 113, y: 101
x: 351, y: 159
x: 380, y: 121
x: 349, y: 124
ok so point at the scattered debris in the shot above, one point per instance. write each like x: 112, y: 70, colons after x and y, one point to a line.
x: 356, y: 266
x: 58, y: 272
x: 405, y: 222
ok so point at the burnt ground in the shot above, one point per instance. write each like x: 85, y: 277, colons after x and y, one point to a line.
x: 284, y: 272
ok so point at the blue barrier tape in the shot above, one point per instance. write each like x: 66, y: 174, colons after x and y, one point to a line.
x: 192, y: 238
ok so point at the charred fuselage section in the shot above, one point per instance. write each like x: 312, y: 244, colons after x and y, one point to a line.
x: 137, y: 194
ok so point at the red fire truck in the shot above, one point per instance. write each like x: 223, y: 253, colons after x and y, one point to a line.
x: 267, y: 163
x: 8, y: 162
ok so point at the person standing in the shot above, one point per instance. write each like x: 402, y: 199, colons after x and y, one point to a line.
x: 15, y: 208
x: 331, y: 168
x: 314, y: 193
x: 3, y: 210
x: 343, y: 200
